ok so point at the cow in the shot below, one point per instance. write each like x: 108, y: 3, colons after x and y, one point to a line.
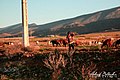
x: 64, y: 42
x: 107, y: 42
x: 2, y: 44
x: 55, y: 42
x: 116, y: 43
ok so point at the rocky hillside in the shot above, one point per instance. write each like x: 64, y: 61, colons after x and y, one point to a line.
x: 107, y: 20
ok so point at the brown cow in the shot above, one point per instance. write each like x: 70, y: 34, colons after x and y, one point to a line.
x: 65, y: 42
x: 107, y: 42
x: 59, y: 42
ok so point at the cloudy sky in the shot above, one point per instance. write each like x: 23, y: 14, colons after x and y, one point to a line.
x: 46, y: 11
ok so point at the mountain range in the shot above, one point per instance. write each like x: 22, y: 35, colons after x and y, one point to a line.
x: 101, y: 21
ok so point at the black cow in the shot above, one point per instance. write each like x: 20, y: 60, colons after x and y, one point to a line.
x: 116, y: 43
x: 55, y: 42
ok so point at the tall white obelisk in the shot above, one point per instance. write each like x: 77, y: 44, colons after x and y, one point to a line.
x: 25, y: 23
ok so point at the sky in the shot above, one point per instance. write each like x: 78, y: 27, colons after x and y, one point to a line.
x: 46, y: 11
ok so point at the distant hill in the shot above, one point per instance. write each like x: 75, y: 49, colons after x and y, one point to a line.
x: 106, y: 20
x: 15, y: 30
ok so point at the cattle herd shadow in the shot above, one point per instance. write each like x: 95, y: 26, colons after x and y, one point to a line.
x: 74, y: 65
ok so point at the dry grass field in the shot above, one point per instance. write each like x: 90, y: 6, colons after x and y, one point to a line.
x: 44, y: 41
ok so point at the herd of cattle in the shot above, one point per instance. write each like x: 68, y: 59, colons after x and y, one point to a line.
x: 63, y: 42
x: 2, y: 44
x: 60, y: 42
x: 104, y: 43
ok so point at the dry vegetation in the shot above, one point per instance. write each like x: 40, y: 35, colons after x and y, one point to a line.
x: 41, y: 61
